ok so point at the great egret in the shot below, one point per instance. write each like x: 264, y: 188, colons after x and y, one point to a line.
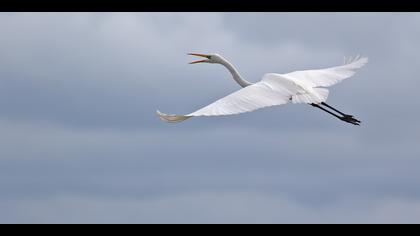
x: 306, y: 86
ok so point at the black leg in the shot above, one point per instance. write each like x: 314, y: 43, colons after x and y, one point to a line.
x: 341, y: 113
x: 343, y: 118
x: 318, y: 106
x: 349, y: 117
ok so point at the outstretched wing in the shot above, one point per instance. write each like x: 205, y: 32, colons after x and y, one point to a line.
x: 329, y: 76
x: 270, y: 91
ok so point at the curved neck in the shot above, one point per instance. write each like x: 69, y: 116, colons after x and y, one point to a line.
x: 235, y: 74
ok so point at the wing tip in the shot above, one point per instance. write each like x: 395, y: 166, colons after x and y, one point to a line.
x: 357, y: 61
x: 171, y: 118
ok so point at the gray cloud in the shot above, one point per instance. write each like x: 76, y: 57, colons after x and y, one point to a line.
x: 224, y: 207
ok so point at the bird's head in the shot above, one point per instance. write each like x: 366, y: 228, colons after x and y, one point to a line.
x: 210, y: 58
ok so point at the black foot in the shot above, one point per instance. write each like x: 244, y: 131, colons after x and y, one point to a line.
x: 350, y: 119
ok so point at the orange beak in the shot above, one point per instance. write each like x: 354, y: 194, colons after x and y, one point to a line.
x: 199, y: 55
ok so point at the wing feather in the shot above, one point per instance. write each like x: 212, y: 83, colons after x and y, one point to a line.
x: 329, y: 76
x: 262, y: 94
x: 270, y: 91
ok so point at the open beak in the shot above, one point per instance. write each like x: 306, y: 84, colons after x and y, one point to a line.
x: 199, y: 55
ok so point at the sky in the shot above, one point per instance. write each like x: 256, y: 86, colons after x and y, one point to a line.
x: 80, y: 141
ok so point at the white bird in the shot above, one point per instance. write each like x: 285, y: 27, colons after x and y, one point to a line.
x: 306, y: 86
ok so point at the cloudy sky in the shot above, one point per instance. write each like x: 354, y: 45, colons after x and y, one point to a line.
x: 80, y: 141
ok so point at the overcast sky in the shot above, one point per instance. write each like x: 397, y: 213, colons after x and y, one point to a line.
x: 80, y: 141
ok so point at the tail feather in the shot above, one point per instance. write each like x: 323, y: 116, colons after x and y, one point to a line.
x: 322, y: 93
x: 172, y: 118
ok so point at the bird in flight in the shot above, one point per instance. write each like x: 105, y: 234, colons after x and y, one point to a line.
x: 306, y: 86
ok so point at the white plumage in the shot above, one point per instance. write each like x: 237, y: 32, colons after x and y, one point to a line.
x: 329, y: 76
x: 307, y: 86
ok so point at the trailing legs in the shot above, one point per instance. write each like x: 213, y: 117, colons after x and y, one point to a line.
x: 344, y: 117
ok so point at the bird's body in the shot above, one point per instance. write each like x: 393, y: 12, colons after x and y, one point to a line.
x: 307, y: 86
